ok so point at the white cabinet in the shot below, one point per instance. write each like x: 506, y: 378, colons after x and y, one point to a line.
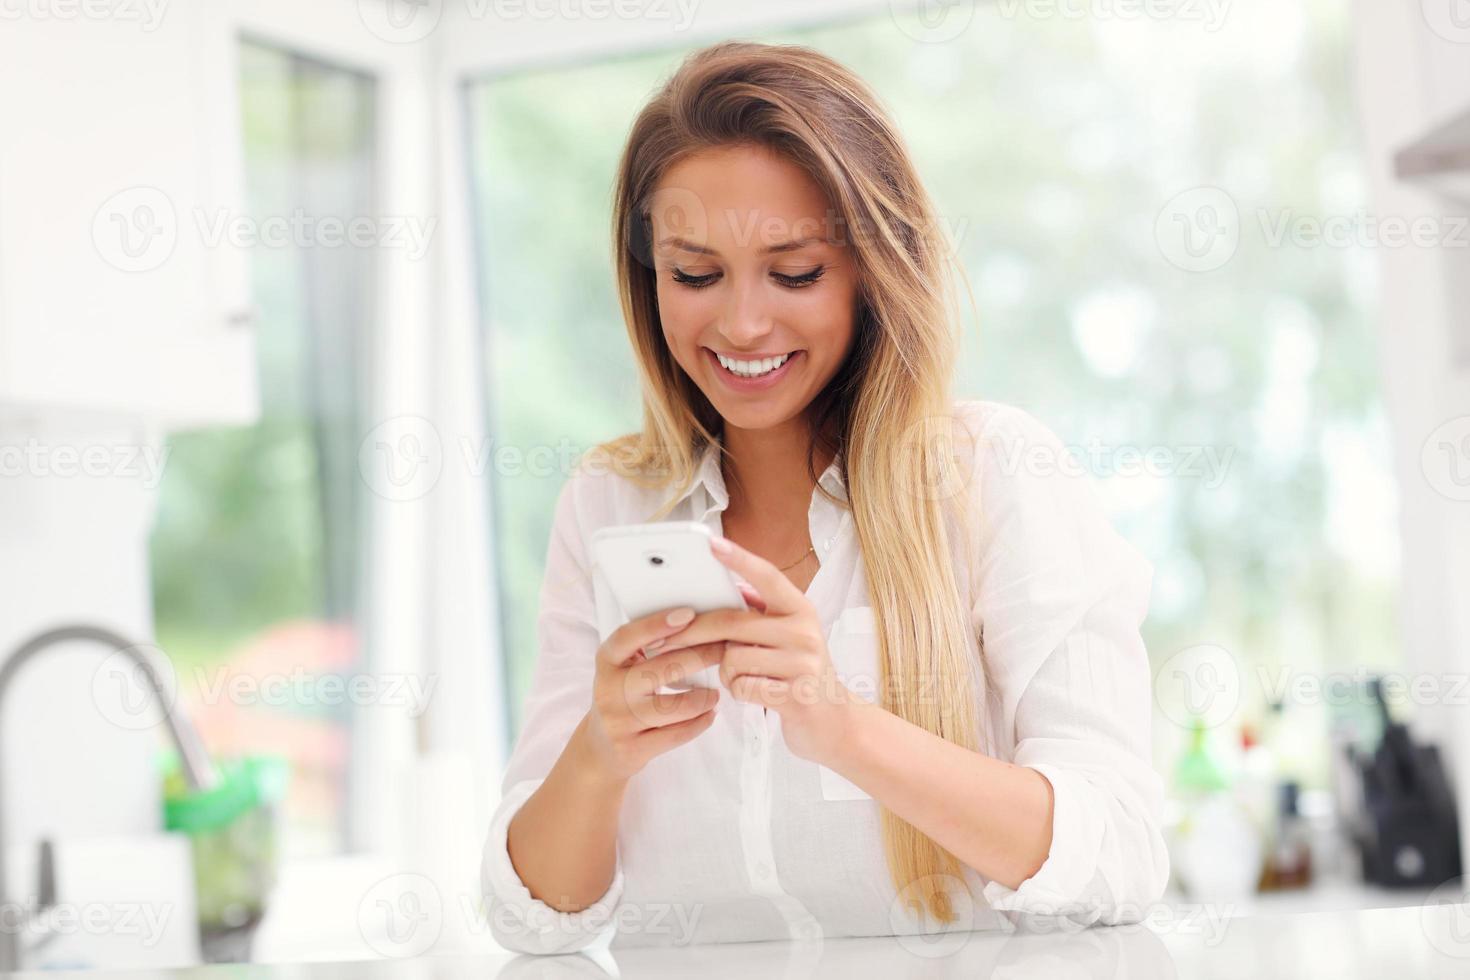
x: 120, y: 156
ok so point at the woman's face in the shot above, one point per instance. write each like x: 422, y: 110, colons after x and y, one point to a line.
x: 751, y: 266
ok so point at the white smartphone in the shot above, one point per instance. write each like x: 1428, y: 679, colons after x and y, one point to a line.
x: 664, y: 565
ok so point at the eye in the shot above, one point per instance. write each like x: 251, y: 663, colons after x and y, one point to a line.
x: 694, y: 282
x: 798, y: 281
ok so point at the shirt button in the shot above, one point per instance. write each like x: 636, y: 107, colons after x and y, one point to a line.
x: 763, y: 871
x: 808, y: 930
x: 827, y: 545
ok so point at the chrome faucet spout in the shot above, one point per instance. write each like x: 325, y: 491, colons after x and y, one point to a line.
x: 199, y: 771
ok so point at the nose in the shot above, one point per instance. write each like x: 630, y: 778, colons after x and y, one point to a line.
x: 746, y: 319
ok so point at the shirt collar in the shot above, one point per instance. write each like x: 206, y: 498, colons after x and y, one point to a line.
x: 707, y: 474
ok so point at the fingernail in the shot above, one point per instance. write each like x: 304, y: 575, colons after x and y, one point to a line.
x: 721, y: 545
x: 654, y: 645
x: 681, y: 617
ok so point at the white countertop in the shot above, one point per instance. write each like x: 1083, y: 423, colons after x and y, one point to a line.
x: 1420, y: 942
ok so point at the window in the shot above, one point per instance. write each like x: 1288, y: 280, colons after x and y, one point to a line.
x: 257, y: 554
x: 1267, y: 503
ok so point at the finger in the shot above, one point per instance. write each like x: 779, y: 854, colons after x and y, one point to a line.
x: 752, y: 597
x: 780, y: 593
x: 741, y: 658
x: 801, y: 687
x: 660, y: 740
x: 663, y: 710
x: 671, y: 668
x: 737, y: 625
x: 644, y: 632
x: 760, y: 690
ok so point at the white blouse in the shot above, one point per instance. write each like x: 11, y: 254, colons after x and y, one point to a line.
x: 731, y: 837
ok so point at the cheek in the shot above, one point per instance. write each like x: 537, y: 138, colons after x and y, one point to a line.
x: 682, y: 311
x: 831, y: 318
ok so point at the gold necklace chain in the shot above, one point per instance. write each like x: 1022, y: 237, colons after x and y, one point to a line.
x: 798, y: 561
x: 809, y: 550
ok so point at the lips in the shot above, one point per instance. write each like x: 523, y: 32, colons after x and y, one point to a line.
x: 752, y: 367
x: 736, y: 382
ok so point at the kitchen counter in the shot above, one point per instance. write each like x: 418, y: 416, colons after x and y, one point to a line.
x: 1176, y: 942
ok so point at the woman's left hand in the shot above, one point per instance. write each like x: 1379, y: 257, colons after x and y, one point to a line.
x: 776, y: 655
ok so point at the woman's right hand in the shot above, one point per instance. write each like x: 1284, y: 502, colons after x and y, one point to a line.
x: 629, y: 723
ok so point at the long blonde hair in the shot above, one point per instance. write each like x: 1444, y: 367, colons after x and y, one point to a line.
x: 888, y: 408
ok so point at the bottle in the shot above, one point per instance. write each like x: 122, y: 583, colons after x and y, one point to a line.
x: 1256, y: 780
x: 1217, y: 849
x: 1289, y: 862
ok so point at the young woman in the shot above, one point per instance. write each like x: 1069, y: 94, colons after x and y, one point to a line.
x: 938, y: 706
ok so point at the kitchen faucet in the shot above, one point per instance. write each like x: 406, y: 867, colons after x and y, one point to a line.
x: 198, y: 770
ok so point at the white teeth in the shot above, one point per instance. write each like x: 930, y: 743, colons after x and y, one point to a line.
x: 752, y: 369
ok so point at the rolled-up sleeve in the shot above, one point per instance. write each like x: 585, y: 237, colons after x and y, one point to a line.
x: 568, y: 638
x: 1059, y: 600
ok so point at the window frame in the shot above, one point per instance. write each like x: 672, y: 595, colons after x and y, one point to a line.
x: 393, y: 596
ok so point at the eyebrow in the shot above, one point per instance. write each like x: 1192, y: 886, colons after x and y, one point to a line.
x: 705, y: 250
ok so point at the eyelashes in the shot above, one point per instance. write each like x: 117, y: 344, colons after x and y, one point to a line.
x: 791, y: 282
x: 805, y: 279
x: 694, y: 282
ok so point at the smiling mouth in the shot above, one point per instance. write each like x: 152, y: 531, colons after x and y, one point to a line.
x: 754, y: 368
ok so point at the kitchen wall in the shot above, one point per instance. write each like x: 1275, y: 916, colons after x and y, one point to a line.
x: 74, y: 550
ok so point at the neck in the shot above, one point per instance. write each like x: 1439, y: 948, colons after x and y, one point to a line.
x: 766, y: 472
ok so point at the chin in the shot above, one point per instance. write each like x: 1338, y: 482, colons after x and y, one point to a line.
x: 766, y: 416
